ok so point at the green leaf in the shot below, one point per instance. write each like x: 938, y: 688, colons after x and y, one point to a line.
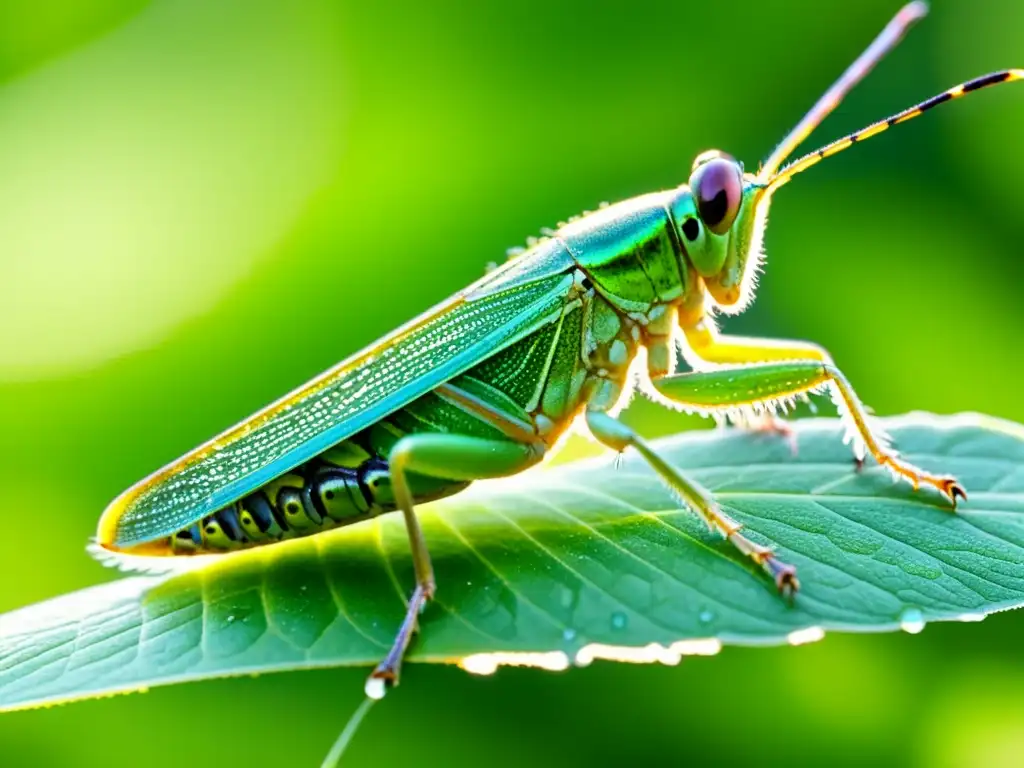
x: 582, y: 561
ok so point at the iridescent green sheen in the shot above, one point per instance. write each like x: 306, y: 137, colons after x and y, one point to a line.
x: 631, y: 252
x: 565, y: 377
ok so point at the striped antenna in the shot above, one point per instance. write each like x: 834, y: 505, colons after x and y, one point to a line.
x: 885, y: 42
x: 837, y: 146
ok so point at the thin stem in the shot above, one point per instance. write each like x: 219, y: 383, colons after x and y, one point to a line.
x: 334, y: 756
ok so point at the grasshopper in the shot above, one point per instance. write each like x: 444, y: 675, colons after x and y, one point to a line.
x: 486, y: 383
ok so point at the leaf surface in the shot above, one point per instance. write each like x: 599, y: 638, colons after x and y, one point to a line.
x: 585, y: 560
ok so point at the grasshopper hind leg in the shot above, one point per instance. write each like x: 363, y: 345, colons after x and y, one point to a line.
x: 444, y: 456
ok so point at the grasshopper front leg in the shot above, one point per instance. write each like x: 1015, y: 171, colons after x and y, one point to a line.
x: 707, y: 348
x: 759, y: 384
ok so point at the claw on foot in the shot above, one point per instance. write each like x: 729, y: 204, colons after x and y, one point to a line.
x: 785, y: 576
x: 948, y: 486
x: 952, y: 489
x: 385, y: 675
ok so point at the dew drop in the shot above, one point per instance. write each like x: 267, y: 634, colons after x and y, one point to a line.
x: 618, y: 620
x: 375, y: 688
x: 971, y: 617
x: 706, y: 616
x: 568, y: 634
x: 231, y: 619
x: 912, y: 621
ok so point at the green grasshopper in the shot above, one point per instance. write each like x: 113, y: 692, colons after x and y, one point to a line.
x: 486, y: 383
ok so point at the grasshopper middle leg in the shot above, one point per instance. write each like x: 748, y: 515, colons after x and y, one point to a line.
x: 618, y: 436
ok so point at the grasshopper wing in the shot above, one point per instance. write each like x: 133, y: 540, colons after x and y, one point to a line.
x: 442, y: 343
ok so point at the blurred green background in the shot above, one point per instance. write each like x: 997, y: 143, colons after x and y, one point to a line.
x: 203, y: 203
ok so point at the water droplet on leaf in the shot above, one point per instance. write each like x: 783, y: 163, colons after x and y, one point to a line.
x: 912, y: 621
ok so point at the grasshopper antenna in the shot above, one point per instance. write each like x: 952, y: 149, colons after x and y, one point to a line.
x: 837, y: 146
x: 894, y: 31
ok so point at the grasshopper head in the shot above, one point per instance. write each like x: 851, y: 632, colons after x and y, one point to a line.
x: 720, y: 215
x: 721, y: 212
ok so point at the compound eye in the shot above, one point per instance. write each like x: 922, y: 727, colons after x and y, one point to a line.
x: 717, y: 187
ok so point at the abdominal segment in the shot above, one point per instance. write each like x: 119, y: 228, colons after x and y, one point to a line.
x: 344, y: 485
x: 296, y: 504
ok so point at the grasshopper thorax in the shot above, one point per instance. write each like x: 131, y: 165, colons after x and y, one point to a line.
x: 720, y: 214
